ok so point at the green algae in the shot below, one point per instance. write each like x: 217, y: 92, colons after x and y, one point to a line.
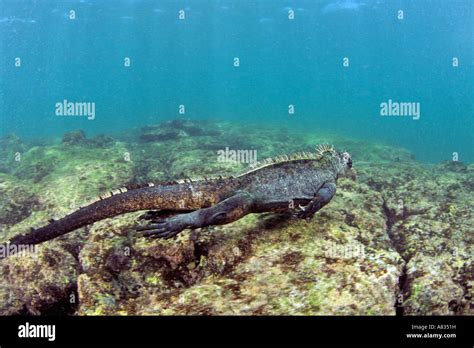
x: 347, y: 261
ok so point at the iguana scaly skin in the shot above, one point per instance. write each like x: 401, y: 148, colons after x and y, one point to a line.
x: 306, y: 181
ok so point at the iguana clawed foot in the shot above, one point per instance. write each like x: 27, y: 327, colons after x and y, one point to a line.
x: 166, y: 228
x: 307, y: 212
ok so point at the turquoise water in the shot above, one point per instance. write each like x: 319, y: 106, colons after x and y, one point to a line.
x: 283, y: 62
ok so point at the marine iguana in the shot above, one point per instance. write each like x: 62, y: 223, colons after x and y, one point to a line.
x: 302, y: 183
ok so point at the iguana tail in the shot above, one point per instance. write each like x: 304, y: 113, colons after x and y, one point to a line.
x: 186, y: 196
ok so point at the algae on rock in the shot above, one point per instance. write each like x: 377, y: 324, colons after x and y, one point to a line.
x: 404, y: 228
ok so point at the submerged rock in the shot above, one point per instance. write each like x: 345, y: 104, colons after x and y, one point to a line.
x: 74, y: 138
x: 17, y: 200
x: 158, y: 134
x: 78, y: 137
x: 455, y: 166
x: 267, y: 264
x: 397, y: 241
x: 43, y: 282
x: 430, y: 223
x: 175, y: 130
x: 11, y: 150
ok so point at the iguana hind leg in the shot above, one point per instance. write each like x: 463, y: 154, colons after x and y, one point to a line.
x: 158, y: 215
x: 229, y: 210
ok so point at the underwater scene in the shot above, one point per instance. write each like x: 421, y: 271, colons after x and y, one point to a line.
x: 224, y: 157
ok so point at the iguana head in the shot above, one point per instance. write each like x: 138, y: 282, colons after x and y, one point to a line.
x: 345, y: 163
x: 339, y: 162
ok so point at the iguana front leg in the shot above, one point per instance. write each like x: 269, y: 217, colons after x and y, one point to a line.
x: 229, y: 210
x: 322, y: 197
